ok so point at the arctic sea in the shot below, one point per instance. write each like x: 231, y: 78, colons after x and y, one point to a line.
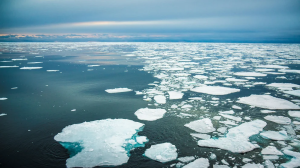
x: 207, y: 93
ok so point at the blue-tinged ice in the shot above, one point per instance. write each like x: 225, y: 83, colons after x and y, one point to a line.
x: 163, y: 152
x: 101, y: 142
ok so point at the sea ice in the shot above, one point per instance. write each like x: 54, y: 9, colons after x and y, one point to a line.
x: 294, y: 162
x: 160, y: 99
x: 267, y: 111
x: 163, y: 152
x: 118, y: 90
x: 103, y: 142
x: 235, y: 80
x: 202, y: 77
x: 293, y: 92
x: 198, y: 163
x: 236, y: 107
x: 29, y: 68
x: 231, y: 117
x: 274, y: 135
x: 237, y: 138
x: 150, y: 114
x: 175, y: 95
x: 294, y: 114
x: 283, y: 86
x: 14, y: 66
x: 3, y: 98
x: 278, y: 119
x: 186, y: 159
x: 249, y: 74
x: 267, y: 101
x: 52, y: 70
x: 3, y: 114
x: 215, y: 90
x: 202, y: 126
x: 271, y: 150
x: 252, y: 165
x: 201, y: 136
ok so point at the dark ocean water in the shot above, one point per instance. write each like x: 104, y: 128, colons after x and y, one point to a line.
x: 41, y: 105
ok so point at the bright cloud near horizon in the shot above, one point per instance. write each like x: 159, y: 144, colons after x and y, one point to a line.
x: 150, y: 20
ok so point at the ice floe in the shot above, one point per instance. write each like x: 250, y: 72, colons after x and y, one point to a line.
x: 175, y: 95
x: 283, y: 86
x: 294, y: 162
x: 14, y: 66
x: 215, y: 90
x: 237, y: 138
x: 30, y: 68
x: 202, y: 126
x: 250, y: 74
x: 103, y: 142
x: 150, y: 114
x: 3, y: 114
x: 52, y: 70
x: 293, y: 92
x: 160, y: 99
x: 3, y: 98
x: 278, y: 119
x: 275, y: 135
x: 198, y: 163
x: 271, y: 150
x: 294, y: 114
x: 186, y: 159
x: 163, y: 152
x: 268, y: 102
x: 118, y: 90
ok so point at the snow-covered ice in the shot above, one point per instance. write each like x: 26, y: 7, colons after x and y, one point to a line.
x: 202, y: 126
x: 161, y: 99
x: 215, y: 90
x: 268, y: 102
x: 103, y: 142
x: 294, y: 114
x: 278, y: 119
x: 150, y: 114
x: 118, y: 90
x: 163, y: 152
x: 186, y: 159
x: 175, y: 95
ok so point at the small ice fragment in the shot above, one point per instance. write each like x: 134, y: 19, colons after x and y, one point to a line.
x: 271, y: 150
x: 270, y: 157
x: 34, y: 62
x: 252, y: 165
x: 269, y: 164
x: 160, y: 99
x: 3, y: 98
x: 163, y: 152
x: 186, y: 159
x: 215, y: 90
x: 267, y: 111
x: 118, y: 90
x: 93, y: 65
x: 274, y: 135
x: 249, y: 74
x: 73, y: 110
x: 222, y: 129
x: 29, y: 68
x: 221, y: 166
x: 3, y: 114
x: 216, y: 117
x: 14, y: 88
x: 294, y: 114
x: 175, y: 95
x: 14, y: 66
x: 150, y: 114
x: 198, y: 163
x: 201, y: 136
x: 236, y: 107
x: 278, y: 119
x: 267, y: 101
x: 52, y: 70
x: 202, y: 126
x: 201, y: 77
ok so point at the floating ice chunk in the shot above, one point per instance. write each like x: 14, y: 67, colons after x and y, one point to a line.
x: 160, y: 99
x: 289, y: 71
x: 118, y: 90
x: 227, y: 112
x: 283, y: 86
x: 150, y: 114
x: 73, y: 110
x: 269, y: 164
x: 237, y: 138
x: 103, y: 142
x: 19, y: 59
x: 14, y: 88
x: 232, y: 117
x: 186, y: 159
x: 273, y: 66
x: 3, y: 114
x: 267, y: 111
x: 198, y: 163
x: 34, y: 62
x: 201, y: 136
x: 236, y: 107
x: 294, y: 114
x: 271, y: 150
x: 235, y: 80
x: 293, y: 92
x: 186, y: 106
x: 227, y: 122
x: 29, y: 68
x: 217, y: 117
x: 264, y: 70
x: 14, y: 66
x: 175, y: 95
x: 196, y: 98
x: 259, y: 83
x: 138, y: 93
x: 52, y: 70
x: 250, y: 78
x: 203, y: 126
x: 215, y: 90
x: 267, y: 101
x: 222, y: 129
x: 221, y: 166
x: 3, y: 98
x: 252, y: 165
x: 294, y: 162
x: 274, y: 135
x: 93, y: 65
x: 201, y: 77
x: 249, y: 74
x: 278, y: 119
x: 164, y: 152
x: 174, y: 106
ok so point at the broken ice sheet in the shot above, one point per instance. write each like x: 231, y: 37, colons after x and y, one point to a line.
x: 118, y: 90
x: 237, y: 138
x: 163, y: 152
x: 278, y: 119
x: 202, y: 126
x: 215, y: 90
x: 268, y: 102
x: 150, y: 114
x: 102, y: 142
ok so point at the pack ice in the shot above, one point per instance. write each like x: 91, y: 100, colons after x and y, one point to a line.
x: 163, y: 152
x: 103, y: 142
x: 237, y: 138
x: 150, y: 114
x: 268, y: 102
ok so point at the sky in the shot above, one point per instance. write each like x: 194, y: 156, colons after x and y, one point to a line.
x: 273, y: 21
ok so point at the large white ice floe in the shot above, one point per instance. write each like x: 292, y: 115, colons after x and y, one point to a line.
x: 294, y: 114
x: 161, y: 99
x: 237, y: 138
x: 150, y: 114
x: 250, y: 74
x: 102, y: 142
x: 202, y: 126
x: 275, y: 135
x: 175, y: 95
x: 215, y: 90
x: 118, y: 90
x: 268, y: 102
x: 278, y: 119
x: 163, y: 152
x: 293, y: 92
x: 283, y: 86
x: 198, y: 163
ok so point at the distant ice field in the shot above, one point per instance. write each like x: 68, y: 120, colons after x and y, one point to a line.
x: 149, y: 105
